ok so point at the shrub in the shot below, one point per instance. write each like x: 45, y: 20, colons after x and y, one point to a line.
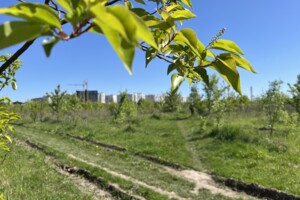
x: 226, y: 133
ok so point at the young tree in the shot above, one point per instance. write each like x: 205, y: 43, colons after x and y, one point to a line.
x: 127, y: 110
x: 194, y: 100
x: 57, y: 101
x: 172, y: 102
x: 156, y: 32
x: 73, y: 105
x: 212, y: 91
x: 273, y: 104
x: 295, y: 92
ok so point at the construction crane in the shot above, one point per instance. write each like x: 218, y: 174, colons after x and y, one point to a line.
x: 84, y: 85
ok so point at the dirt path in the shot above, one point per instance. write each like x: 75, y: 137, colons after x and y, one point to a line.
x: 80, y: 183
x: 203, y: 180
x: 133, y: 180
x: 187, y: 147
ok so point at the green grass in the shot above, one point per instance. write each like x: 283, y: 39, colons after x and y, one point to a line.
x: 124, y: 163
x: 238, y: 150
x: 241, y: 151
x: 26, y: 175
x: 160, y: 138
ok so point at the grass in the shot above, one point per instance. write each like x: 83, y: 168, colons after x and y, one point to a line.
x: 237, y: 150
x: 124, y: 163
x: 240, y: 151
x: 25, y: 174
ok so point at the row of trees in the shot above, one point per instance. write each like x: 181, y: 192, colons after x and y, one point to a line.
x: 215, y: 101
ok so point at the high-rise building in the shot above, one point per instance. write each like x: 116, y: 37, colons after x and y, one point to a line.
x: 101, y: 97
x: 88, y: 95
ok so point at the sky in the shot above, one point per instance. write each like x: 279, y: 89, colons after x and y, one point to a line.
x: 267, y: 31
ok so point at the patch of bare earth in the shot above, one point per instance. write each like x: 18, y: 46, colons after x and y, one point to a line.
x: 204, y: 181
x: 133, y: 180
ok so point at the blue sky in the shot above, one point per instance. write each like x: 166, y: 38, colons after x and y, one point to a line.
x: 267, y: 31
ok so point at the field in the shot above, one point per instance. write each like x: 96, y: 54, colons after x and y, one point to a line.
x: 154, y: 156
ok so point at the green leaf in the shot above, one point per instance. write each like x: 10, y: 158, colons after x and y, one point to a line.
x: 171, y: 7
x: 125, y: 17
x: 228, y: 61
x: 139, y: 12
x: 188, y: 37
x: 38, y: 13
x: 105, y: 17
x: 232, y: 78
x: 150, y: 55
x: 243, y: 63
x: 49, y: 44
x: 143, y: 32
x: 123, y: 49
x: 227, y: 45
x: 140, y: 1
x: 187, y: 2
x: 182, y: 15
x: 176, y: 82
x: 203, y: 74
x: 172, y: 67
x: 8, y: 138
x: 66, y: 4
x: 14, y: 85
x: 201, y: 48
x: 15, y: 32
x: 128, y: 5
x: 210, y: 54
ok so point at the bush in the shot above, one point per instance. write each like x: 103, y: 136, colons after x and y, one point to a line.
x: 226, y: 133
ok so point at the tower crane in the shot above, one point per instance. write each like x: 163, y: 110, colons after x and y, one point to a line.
x: 84, y: 85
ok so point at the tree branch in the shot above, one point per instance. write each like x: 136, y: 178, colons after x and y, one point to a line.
x: 15, y: 56
x: 111, y: 3
x: 19, y: 52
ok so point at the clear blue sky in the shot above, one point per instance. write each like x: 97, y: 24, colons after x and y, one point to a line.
x: 268, y: 32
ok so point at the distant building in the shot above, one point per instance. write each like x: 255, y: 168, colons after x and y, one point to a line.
x: 184, y: 99
x: 101, y: 97
x: 89, y: 95
x: 42, y: 99
x: 155, y: 97
x: 111, y: 98
x: 136, y: 97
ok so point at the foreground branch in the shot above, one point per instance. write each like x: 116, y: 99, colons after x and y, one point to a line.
x: 15, y: 56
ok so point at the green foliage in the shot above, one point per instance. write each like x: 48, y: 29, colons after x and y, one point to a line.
x: 273, y: 104
x: 194, y: 101
x: 295, y: 92
x: 126, y: 111
x: 172, y: 102
x: 8, y: 76
x: 146, y: 106
x: 218, y: 112
x: 5, y: 118
x: 290, y: 121
x: 212, y: 91
x: 227, y: 133
x: 57, y: 101
x: 1, y: 197
x: 34, y: 110
x: 127, y: 28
